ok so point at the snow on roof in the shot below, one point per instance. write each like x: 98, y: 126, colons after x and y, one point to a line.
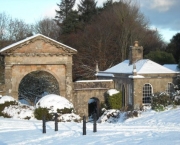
x: 31, y: 37
x: 150, y: 67
x: 136, y: 76
x: 102, y: 74
x: 173, y: 67
x: 143, y: 66
x: 86, y: 81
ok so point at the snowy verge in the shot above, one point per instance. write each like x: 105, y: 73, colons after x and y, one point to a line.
x: 52, y: 102
x: 19, y: 111
x: 69, y: 118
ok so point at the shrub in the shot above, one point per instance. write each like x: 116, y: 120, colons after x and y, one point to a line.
x: 177, y: 102
x: 160, y: 101
x: 65, y: 110
x: 39, y: 113
x: 131, y: 114
x: 114, y: 101
x: 6, y: 104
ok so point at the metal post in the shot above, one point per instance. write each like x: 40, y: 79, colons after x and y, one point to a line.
x: 56, y: 122
x: 84, y: 125
x: 44, y: 124
x: 94, y: 125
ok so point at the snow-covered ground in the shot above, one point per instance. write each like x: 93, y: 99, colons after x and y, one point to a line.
x: 150, y: 128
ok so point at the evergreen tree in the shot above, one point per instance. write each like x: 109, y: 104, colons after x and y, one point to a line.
x: 161, y: 57
x: 174, y: 46
x: 67, y: 18
x: 70, y: 24
x: 87, y: 9
x: 65, y: 7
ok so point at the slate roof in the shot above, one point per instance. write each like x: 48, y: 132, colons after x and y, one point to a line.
x: 143, y: 66
x: 173, y: 67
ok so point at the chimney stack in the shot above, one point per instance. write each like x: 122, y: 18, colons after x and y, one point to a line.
x: 135, y: 53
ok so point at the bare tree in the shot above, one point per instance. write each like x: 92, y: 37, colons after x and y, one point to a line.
x: 18, y: 30
x: 12, y: 30
x: 48, y: 27
x: 107, y: 39
x: 4, y: 21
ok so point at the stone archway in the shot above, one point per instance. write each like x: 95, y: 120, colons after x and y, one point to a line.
x: 35, y: 85
x: 38, y: 53
x: 94, y: 107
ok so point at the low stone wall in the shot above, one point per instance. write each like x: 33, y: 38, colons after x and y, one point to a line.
x: 2, y: 88
x: 84, y: 90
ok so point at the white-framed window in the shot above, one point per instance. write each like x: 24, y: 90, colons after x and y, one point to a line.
x: 147, y: 93
x: 170, y: 88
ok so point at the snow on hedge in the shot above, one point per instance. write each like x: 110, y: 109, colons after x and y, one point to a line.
x: 110, y: 116
x: 112, y: 92
x: 54, y: 102
x: 4, y: 99
x: 19, y: 111
x: 69, y: 117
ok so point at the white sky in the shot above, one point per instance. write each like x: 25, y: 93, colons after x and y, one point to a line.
x: 163, y: 15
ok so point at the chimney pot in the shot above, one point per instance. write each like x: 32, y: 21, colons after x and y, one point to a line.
x: 136, y: 43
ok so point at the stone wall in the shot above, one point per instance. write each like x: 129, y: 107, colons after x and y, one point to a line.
x: 159, y: 84
x: 2, y: 88
x: 1, y: 69
x: 84, y: 90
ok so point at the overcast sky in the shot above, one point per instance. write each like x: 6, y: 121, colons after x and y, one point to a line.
x: 163, y: 15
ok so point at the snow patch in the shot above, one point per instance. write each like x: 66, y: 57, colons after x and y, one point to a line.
x: 112, y: 92
x: 54, y: 102
x: 110, y: 116
x: 4, y: 99
x: 69, y: 117
x: 19, y: 111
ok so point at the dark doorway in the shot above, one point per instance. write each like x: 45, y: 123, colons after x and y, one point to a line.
x: 123, y: 96
x: 35, y: 85
x: 93, y: 107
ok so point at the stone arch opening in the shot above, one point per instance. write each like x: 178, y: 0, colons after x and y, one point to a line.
x: 94, y: 107
x: 35, y: 85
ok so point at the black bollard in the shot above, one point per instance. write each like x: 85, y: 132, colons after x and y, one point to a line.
x: 94, y: 125
x: 44, y: 124
x: 56, y: 122
x: 84, y: 125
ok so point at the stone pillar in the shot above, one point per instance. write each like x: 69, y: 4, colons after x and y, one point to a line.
x: 69, y: 90
x: 8, y: 76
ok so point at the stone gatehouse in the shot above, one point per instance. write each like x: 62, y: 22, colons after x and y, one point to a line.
x: 39, y: 53
x: 137, y: 78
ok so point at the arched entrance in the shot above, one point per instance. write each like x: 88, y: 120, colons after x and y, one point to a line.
x: 35, y: 85
x: 93, y: 107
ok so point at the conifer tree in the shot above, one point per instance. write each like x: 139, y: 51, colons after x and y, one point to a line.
x: 67, y: 18
x: 65, y: 7
x: 87, y: 9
